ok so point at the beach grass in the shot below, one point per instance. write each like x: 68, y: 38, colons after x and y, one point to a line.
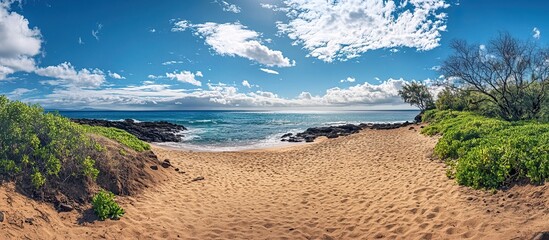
x: 120, y: 136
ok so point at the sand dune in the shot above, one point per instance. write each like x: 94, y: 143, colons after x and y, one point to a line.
x: 372, y: 185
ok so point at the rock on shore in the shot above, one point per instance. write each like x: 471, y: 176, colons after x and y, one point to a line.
x: 335, y: 131
x: 161, y: 131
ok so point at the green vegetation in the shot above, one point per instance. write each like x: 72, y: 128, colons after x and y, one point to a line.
x: 47, y: 155
x: 42, y: 148
x: 105, y: 206
x: 489, y: 153
x: 417, y: 94
x: 507, y: 75
x: 493, y: 113
x: 120, y: 136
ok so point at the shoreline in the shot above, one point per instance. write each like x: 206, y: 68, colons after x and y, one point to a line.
x: 248, y: 148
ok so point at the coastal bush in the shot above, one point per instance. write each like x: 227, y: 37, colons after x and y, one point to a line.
x: 417, y: 94
x: 509, y: 73
x: 489, y: 153
x: 40, y: 148
x: 105, y: 206
x: 120, y: 136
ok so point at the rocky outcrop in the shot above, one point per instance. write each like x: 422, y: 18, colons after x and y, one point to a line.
x: 311, y: 134
x: 147, y: 131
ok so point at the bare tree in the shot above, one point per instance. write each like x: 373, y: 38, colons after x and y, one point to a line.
x: 512, y: 74
x: 417, y: 94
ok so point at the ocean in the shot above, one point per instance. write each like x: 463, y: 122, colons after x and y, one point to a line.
x: 244, y: 130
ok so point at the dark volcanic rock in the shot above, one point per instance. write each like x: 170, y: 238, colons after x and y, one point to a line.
x: 63, y: 207
x: 541, y: 236
x: 154, y: 167
x: 419, y: 117
x: 166, y: 163
x: 287, y: 135
x: 147, y: 131
x: 336, y: 131
x: 1, y: 216
x: 197, y: 179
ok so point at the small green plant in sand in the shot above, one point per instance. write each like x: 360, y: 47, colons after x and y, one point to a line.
x: 105, y: 206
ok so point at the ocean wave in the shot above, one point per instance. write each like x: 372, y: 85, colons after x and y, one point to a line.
x: 122, y: 120
x: 204, y: 122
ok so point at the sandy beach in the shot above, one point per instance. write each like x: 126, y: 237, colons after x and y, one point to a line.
x: 372, y: 185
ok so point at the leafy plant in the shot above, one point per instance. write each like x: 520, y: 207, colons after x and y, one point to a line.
x: 489, y: 153
x: 41, y: 148
x: 105, y: 206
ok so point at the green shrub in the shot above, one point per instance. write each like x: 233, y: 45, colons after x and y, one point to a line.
x: 42, y: 148
x: 120, y: 136
x: 105, y: 206
x: 489, y: 153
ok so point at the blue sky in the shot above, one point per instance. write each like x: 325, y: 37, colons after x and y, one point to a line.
x: 240, y: 54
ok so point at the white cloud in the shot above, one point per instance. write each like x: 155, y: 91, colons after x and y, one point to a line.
x: 384, y: 93
x: 115, y: 75
x: 80, y: 41
x: 18, y: 43
x: 270, y: 71
x: 186, y: 77
x: 222, y: 96
x: 180, y: 26
x: 235, y: 39
x: 18, y: 92
x: 65, y: 75
x: 274, y: 7
x: 152, y: 30
x: 345, y: 29
x: 435, y: 68
x: 245, y: 83
x: 172, y: 62
x: 348, y: 79
x: 95, y: 33
x: 227, y: 7
x: 536, y: 33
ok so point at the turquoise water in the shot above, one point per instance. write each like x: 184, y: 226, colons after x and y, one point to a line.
x: 238, y: 130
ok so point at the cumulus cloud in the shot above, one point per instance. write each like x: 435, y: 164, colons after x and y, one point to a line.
x: 115, y: 75
x: 367, y: 93
x: 348, y: 79
x: 66, y: 75
x: 536, y: 33
x: 223, y: 96
x: 345, y: 29
x: 270, y: 71
x: 235, y: 39
x: 186, y: 77
x: 18, y: 43
x: 227, y: 7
